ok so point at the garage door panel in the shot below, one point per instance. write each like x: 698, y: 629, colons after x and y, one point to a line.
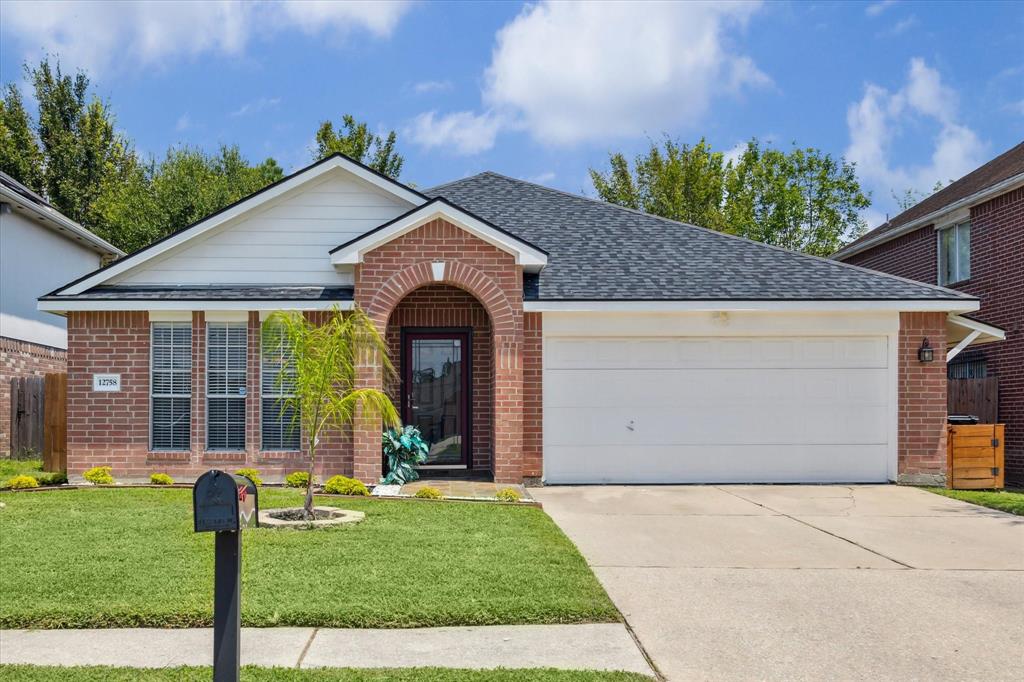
x: 708, y: 425
x: 646, y: 387
x: 717, y: 464
x: 667, y: 353
x: 773, y: 409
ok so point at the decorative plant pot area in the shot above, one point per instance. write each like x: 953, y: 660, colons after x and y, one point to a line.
x: 295, y: 517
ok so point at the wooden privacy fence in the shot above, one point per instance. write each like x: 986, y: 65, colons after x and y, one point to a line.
x: 978, y: 397
x: 975, y: 456
x: 39, y: 421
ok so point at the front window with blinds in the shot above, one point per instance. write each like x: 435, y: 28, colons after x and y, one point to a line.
x: 280, y: 425
x: 226, y: 355
x: 955, y: 254
x: 170, y: 385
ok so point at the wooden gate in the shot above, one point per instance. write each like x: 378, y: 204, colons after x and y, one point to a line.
x: 975, y: 456
x: 39, y: 419
x: 978, y: 397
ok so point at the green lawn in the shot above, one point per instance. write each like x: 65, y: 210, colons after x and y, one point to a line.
x: 30, y: 673
x: 1011, y: 501
x: 128, y: 558
x: 9, y: 468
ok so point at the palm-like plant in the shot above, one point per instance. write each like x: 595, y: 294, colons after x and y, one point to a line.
x: 318, y: 374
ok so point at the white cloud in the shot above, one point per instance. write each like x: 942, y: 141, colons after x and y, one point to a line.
x: 569, y: 72
x: 878, y: 119
x: 572, y: 72
x: 432, y: 86
x: 463, y: 132
x: 184, y: 123
x: 541, y: 178
x: 899, y: 28
x: 256, y: 106
x: 876, y: 8
x: 97, y: 35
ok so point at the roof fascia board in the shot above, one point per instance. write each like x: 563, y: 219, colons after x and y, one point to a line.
x: 271, y: 193
x: 974, y: 325
x: 1007, y: 185
x: 58, y: 306
x: 846, y: 305
x: 95, y: 242
x: 352, y: 253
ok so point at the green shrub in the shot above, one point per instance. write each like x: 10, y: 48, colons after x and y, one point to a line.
x: 252, y: 474
x: 342, y: 485
x: 160, y: 479
x: 508, y: 495
x: 428, y: 493
x: 297, y: 479
x: 21, y: 482
x: 52, y: 478
x: 404, y: 449
x: 99, y: 476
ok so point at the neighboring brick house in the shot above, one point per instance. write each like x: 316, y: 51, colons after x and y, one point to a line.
x: 40, y: 249
x: 537, y: 334
x: 969, y: 236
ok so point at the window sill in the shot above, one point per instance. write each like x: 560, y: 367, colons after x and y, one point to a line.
x: 959, y: 283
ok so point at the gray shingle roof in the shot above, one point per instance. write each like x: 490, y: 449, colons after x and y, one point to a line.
x: 213, y: 293
x: 599, y: 251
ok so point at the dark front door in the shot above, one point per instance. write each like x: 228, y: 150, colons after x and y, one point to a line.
x: 436, y: 393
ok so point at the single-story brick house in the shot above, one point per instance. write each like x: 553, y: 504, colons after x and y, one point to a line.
x: 539, y: 335
x: 969, y: 236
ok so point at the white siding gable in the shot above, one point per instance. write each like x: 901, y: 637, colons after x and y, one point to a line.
x: 286, y: 241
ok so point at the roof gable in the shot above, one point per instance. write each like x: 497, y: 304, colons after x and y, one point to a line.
x: 528, y: 255
x: 336, y: 163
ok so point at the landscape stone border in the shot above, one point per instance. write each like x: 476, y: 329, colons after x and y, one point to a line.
x: 338, y: 517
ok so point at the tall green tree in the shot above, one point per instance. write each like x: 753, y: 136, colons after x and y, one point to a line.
x: 355, y: 140
x: 20, y: 156
x: 801, y: 199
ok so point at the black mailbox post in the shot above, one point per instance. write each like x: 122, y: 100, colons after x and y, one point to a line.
x: 225, y: 504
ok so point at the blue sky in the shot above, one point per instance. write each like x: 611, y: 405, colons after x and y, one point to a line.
x: 914, y: 92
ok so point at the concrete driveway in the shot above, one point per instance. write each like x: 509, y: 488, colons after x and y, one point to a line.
x: 806, y: 582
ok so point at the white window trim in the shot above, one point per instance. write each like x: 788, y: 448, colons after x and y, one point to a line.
x: 274, y: 395
x: 152, y: 395
x: 955, y: 226
x: 218, y: 396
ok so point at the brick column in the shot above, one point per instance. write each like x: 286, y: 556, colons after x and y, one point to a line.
x: 922, y: 400
x: 366, y: 429
x: 508, y: 408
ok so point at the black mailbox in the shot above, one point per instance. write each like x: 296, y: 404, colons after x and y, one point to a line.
x: 224, y: 502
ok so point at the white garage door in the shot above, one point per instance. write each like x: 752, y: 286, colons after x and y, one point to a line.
x: 688, y: 410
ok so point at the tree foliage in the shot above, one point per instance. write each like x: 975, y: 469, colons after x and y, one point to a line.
x: 355, y: 140
x: 801, y: 199
x: 319, y: 372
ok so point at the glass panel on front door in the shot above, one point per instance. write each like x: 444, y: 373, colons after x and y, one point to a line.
x: 435, y: 400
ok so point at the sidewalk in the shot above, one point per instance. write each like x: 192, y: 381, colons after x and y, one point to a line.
x: 597, y: 646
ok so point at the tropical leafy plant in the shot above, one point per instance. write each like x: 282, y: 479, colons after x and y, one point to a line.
x: 404, y: 449
x: 318, y: 374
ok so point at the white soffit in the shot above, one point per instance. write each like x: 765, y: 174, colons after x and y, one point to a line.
x: 959, y: 328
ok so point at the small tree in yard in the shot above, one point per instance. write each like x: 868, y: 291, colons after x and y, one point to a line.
x: 317, y: 376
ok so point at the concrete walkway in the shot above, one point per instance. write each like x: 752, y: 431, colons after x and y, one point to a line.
x: 805, y: 582
x: 598, y: 646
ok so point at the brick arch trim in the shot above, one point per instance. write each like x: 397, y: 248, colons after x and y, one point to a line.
x: 457, y: 274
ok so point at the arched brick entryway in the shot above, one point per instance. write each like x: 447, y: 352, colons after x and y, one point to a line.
x: 441, y: 253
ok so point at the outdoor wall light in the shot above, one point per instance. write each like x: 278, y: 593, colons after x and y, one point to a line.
x: 925, y: 353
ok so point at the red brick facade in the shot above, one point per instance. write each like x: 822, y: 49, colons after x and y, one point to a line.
x: 922, y: 400
x: 22, y: 359
x: 395, y: 269
x: 997, y: 278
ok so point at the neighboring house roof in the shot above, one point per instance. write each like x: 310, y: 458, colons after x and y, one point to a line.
x: 600, y: 251
x: 1000, y: 175
x: 21, y: 197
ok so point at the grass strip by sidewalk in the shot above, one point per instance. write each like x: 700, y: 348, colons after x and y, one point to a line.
x: 30, y: 673
x: 104, y: 558
x: 1011, y: 501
